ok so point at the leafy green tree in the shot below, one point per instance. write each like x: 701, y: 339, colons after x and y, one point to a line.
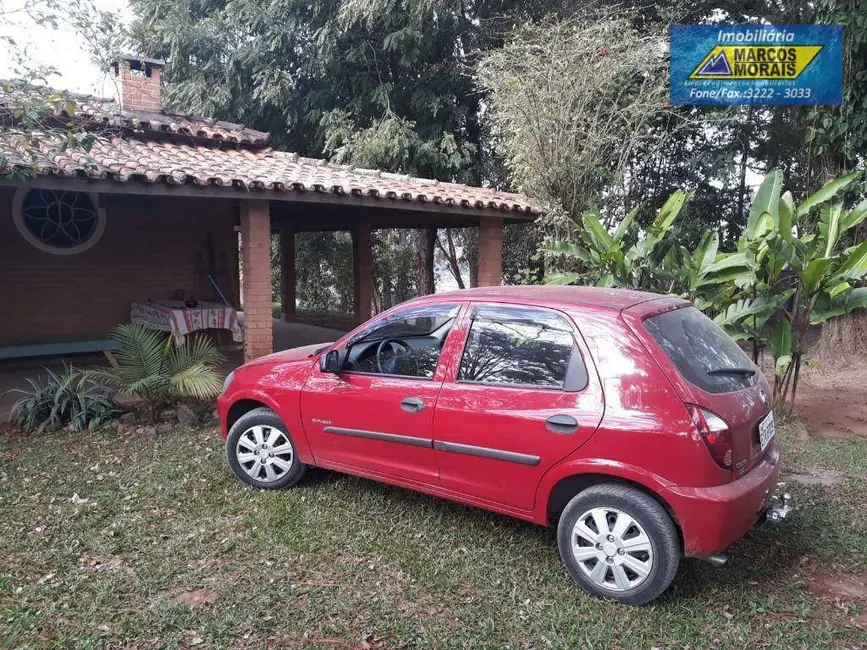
x: 573, y: 98
x: 28, y: 104
x: 376, y: 83
x: 394, y: 251
x: 713, y: 151
x: 836, y: 136
x: 324, y: 276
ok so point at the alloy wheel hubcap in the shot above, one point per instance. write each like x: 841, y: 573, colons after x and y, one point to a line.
x: 612, y: 549
x: 264, y: 453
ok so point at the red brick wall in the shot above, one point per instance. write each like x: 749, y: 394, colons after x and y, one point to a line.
x: 491, y: 253
x: 151, y: 248
x: 138, y: 92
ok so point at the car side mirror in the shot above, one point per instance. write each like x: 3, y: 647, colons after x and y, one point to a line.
x: 331, y: 362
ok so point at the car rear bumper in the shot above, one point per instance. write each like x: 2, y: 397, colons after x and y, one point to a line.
x: 713, y: 518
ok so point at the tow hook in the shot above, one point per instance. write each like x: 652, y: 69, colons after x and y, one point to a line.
x: 780, y: 505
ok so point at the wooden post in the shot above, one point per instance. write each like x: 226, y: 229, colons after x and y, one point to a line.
x: 362, y: 266
x: 491, y: 252
x: 256, y: 256
x: 287, y: 274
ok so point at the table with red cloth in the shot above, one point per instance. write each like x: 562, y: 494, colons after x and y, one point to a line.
x: 176, y: 317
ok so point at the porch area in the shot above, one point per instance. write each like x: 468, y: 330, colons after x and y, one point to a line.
x: 14, y: 374
x: 157, y: 242
x: 259, y: 220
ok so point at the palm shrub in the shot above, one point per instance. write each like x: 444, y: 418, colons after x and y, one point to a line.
x: 159, y: 372
x: 64, y: 399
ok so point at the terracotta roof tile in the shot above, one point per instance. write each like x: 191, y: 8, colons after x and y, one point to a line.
x: 135, y: 158
x: 161, y: 147
x: 104, y: 113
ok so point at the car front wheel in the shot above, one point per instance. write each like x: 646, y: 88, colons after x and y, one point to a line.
x: 261, y: 452
x: 619, y: 543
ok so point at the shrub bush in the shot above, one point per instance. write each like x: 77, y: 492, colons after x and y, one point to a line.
x: 63, y: 400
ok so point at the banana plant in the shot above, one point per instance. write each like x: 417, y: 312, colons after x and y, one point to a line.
x: 617, y: 259
x: 707, y: 277
x: 803, y: 278
x: 746, y: 319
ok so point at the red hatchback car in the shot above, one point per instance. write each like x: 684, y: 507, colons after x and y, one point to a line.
x: 628, y: 419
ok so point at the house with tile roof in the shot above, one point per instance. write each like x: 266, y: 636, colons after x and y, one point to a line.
x: 153, y: 212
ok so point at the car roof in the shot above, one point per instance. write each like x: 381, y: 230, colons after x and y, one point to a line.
x: 618, y: 299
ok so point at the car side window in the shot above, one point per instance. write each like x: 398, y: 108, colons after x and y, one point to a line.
x: 407, y: 343
x: 522, y: 346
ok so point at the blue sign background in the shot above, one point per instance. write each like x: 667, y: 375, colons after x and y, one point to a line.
x: 690, y: 44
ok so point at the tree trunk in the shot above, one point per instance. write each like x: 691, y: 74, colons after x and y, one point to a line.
x: 425, y: 243
x: 795, y: 383
x: 755, y: 334
x: 471, y: 254
x: 745, y: 154
x: 386, y: 295
x: 450, y: 253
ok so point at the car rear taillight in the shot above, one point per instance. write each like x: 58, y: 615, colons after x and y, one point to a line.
x: 715, y: 433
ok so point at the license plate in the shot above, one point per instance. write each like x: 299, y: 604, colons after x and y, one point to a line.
x: 766, y: 430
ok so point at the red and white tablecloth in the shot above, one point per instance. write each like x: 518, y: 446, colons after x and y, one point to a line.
x: 175, y: 317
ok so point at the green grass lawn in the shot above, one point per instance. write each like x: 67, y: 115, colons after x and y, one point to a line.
x: 169, y: 550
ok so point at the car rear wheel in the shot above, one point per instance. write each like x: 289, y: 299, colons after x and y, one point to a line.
x: 261, y: 452
x: 619, y: 543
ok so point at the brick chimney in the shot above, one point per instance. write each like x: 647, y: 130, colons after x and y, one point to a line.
x: 138, y: 83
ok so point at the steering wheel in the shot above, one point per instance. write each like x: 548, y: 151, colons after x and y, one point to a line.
x: 400, y: 349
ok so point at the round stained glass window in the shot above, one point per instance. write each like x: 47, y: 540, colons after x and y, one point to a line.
x: 58, y: 221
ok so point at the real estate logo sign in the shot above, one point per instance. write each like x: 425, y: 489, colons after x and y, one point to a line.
x: 756, y: 64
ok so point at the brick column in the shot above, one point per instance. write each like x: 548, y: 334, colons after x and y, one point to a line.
x: 287, y: 243
x: 362, y: 267
x: 490, y: 252
x: 256, y: 258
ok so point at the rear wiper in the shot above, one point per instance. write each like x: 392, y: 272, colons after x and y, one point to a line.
x: 732, y: 371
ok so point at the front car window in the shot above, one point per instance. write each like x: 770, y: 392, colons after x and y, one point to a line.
x: 702, y: 352
x: 521, y: 346
x: 407, y: 343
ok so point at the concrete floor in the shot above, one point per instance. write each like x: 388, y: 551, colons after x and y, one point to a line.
x: 294, y: 335
x: 15, y: 373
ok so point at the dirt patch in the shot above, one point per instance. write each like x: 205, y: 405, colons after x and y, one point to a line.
x: 197, y: 598
x: 827, y: 477
x: 832, y: 399
x: 841, y: 589
x: 849, y: 587
x: 842, y: 337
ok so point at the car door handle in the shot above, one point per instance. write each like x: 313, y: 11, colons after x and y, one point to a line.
x: 562, y: 424
x: 412, y: 404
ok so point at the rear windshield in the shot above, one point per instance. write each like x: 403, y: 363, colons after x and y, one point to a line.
x: 702, y: 352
